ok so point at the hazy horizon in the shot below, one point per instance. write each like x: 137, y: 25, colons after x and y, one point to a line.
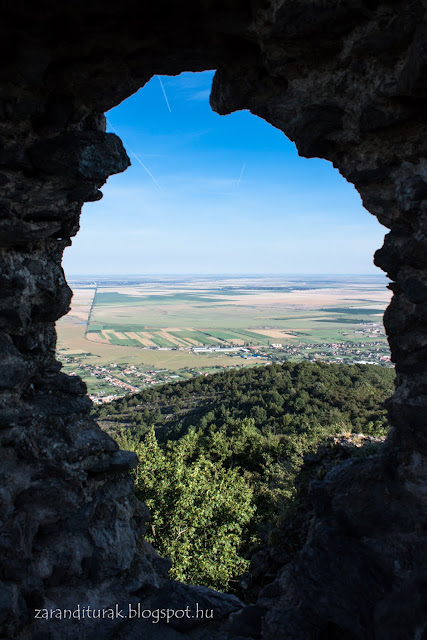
x: 226, y: 275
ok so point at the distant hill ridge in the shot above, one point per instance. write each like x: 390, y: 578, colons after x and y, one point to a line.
x: 233, y: 448
x: 281, y: 398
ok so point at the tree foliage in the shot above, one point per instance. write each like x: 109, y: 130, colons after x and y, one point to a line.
x: 219, y: 456
x: 199, y: 509
x: 279, y: 398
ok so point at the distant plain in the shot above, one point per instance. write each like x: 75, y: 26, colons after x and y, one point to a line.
x: 133, y: 319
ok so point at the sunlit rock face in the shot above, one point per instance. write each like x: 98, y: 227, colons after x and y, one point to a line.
x: 345, y: 80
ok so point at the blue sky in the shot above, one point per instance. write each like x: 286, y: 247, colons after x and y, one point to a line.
x: 231, y: 195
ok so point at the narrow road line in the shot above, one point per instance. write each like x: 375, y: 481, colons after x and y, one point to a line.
x: 91, y: 309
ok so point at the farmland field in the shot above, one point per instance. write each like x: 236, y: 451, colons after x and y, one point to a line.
x: 230, y: 312
x: 171, y: 323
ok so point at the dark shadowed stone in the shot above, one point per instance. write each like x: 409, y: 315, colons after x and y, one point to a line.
x: 416, y: 290
x: 62, y: 406
x: 57, y: 112
x: 6, y: 602
x: 119, y: 461
x: 321, y: 122
x: 146, y: 630
x: 60, y: 382
x: 412, y: 80
x: 248, y: 623
x: 16, y: 233
x: 177, y: 596
x: 91, y: 155
x: 13, y: 368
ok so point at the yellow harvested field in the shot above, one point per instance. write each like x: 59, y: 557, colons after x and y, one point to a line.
x: 80, y: 313
x: 310, y: 298
x: 147, y: 336
x: 164, y: 313
x: 81, y: 303
x: 141, y: 290
x: 129, y: 291
x: 118, y: 335
x: 167, y: 336
x: 195, y: 343
x: 134, y: 336
x: 273, y: 333
x: 82, y: 296
x: 97, y: 337
x: 106, y: 333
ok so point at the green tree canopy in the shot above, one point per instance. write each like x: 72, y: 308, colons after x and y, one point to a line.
x: 199, y: 509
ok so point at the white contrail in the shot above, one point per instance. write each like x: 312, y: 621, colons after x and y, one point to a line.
x: 144, y: 167
x: 164, y: 93
x: 241, y: 174
x: 136, y: 157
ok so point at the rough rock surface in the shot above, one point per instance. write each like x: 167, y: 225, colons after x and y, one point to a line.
x: 290, y: 535
x: 344, y: 79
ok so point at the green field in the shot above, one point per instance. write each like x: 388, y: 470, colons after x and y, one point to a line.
x: 158, y: 324
x: 189, y: 316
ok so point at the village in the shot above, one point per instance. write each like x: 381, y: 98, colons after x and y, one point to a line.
x: 108, y: 382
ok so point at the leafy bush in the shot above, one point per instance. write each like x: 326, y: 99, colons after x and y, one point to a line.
x: 199, y: 509
x: 219, y: 473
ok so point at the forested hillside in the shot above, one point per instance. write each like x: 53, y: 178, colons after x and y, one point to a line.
x: 279, y: 398
x: 220, y: 455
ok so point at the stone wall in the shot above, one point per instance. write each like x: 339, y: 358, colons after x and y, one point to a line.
x: 344, y: 79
